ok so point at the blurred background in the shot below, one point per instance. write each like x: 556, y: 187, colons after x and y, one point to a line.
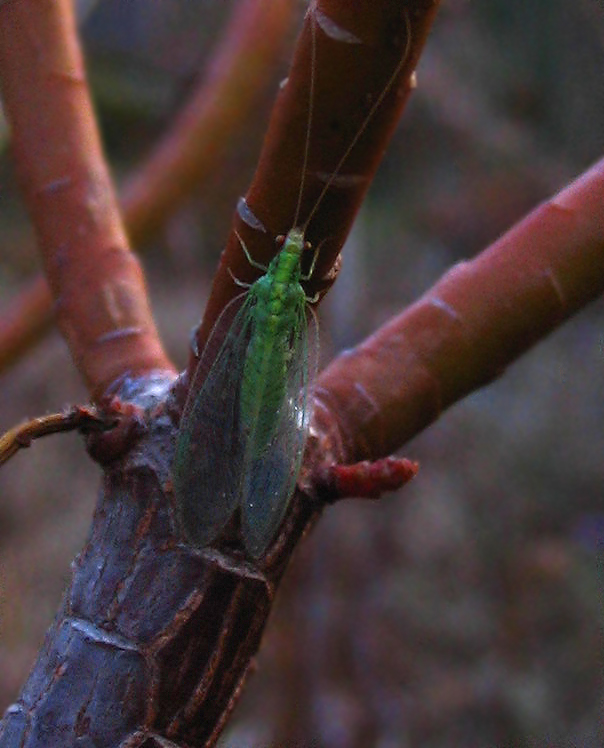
x: 468, y: 609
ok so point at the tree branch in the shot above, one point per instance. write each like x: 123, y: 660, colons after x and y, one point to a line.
x: 463, y: 332
x: 97, y: 284
x: 352, y: 57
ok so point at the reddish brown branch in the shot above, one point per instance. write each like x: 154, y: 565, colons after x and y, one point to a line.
x: 185, y: 158
x: 97, y: 284
x: 354, y: 54
x: 480, y: 317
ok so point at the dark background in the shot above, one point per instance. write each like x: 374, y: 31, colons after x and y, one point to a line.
x: 468, y: 610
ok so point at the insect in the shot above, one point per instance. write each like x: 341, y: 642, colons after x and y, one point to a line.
x: 242, y: 436
x: 243, y: 430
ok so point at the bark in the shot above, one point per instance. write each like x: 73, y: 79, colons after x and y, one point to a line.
x: 153, y: 638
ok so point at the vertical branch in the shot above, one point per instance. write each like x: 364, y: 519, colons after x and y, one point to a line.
x: 97, y: 284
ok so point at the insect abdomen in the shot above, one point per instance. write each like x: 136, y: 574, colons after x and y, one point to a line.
x: 263, y: 386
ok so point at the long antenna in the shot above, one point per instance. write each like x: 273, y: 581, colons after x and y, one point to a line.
x: 311, y: 104
x: 361, y: 129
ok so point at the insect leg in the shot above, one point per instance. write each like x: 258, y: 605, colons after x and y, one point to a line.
x: 249, y: 257
x: 238, y: 282
x: 307, y: 276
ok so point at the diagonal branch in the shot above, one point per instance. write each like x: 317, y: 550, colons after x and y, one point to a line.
x: 87, y: 420
x: 352, y: 57
x: 463, y: 333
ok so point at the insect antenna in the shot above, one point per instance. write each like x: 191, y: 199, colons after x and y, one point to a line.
x: 311, y: 104
x: 362, y: 128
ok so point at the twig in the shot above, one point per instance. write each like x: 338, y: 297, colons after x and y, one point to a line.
x: 84, y: 418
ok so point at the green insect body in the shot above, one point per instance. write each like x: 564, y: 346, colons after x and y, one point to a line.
x: 279, y: 325
x: 242, y: 436
x: 280, y: 301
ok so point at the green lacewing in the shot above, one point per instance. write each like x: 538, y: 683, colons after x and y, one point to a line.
x: 244, y: 424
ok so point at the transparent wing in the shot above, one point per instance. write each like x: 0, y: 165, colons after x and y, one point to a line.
x: 208, y: 462
x: 270, y: 479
